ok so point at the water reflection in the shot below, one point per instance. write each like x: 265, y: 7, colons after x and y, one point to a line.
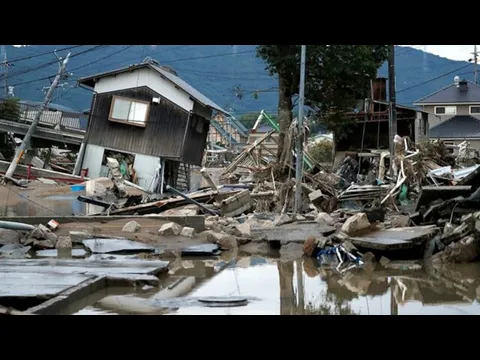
x: 305, y: 288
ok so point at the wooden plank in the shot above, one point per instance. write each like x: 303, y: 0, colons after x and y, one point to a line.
x: 77, y: 296
x: 90, y: 267
x: 173, y: 202
x: 37, y: 284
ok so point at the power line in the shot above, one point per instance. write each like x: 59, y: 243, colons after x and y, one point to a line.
x: 433, y: 79
x: 75, y: 55
x: 210, y: 56
x: 103, y: 58
x: 43, y: 54
x: 41, y: 66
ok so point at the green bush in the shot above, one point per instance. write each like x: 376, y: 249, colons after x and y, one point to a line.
x: 10, y: 109
x: 321, y: 151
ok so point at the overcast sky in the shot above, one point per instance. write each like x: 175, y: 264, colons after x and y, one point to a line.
x: 454, y: 52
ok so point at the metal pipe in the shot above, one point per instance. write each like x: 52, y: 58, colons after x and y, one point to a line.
x: 168, y: 187
x: 16, y: 226
x: 299, y: 163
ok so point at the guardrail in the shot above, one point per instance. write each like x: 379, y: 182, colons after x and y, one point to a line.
x: 23, y: 113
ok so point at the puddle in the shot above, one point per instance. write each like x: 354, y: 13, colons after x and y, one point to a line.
x: 301, y: 288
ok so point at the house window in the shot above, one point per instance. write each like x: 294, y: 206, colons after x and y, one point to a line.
x: 475, y: 110
x: 129, y: 111
x: 445, y: 110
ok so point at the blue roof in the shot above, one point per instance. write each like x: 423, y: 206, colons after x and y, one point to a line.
x: 457, y: 127
x: 264, y: 128
x: 467, y: 93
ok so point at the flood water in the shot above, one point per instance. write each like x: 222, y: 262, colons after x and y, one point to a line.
x: 56, y: 205
x: 302, y: 288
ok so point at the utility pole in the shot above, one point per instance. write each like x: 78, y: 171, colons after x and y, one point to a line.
x: 475, y: 64
x: 299, y: 162
x: 393, y: 103
x: 5, y: 68
x: 26, y: 140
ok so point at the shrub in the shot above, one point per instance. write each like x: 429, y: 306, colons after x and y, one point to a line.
x: 321, y: 151
x: 10, y: 109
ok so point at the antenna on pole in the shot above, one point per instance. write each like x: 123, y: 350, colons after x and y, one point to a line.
x: 425, y: 59
x: 475, y: 64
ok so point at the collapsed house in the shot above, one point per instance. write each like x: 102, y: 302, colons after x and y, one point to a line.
x: 151, y: 121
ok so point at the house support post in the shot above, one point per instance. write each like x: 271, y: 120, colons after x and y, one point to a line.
x: 162, y: 176
x: 79, y: 161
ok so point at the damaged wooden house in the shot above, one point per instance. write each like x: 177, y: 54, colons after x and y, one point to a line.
x: 151, y: 121
x: 369, y: 130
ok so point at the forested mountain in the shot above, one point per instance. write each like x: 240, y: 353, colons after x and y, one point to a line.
x: 232, y: 76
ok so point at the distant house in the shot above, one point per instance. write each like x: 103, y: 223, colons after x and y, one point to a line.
x: 455, y: 113
x: 52, y: 116
x: 152, y: 120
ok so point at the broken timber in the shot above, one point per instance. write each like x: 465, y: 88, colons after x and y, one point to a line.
x: 22, y: 171
x: 162, y: 205
x: 247, y: 153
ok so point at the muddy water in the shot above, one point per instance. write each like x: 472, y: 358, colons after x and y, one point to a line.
x: 303, y: 288
x: 57, y: 205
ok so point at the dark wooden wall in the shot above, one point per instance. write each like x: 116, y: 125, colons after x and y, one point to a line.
x: 352, y: 141
x: 195, y: 140
x: 163, y: 135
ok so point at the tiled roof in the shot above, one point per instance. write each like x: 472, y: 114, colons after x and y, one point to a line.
x: 452, y: 94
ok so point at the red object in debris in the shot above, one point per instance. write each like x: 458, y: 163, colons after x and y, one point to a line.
x: 83, y: 173
x: 52, y: 224
x: 29, y: 172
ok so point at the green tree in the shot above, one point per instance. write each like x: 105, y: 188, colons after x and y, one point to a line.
x: 336, y: 76
x: 10, y: 109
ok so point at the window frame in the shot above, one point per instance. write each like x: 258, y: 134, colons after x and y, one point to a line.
x: 445, y: 107
x: 470, y: 109
x: 128, y: 122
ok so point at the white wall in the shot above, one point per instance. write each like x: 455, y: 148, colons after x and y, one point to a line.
x: 145, y: 77
x: 146, y: 166
x: 92, y: 160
